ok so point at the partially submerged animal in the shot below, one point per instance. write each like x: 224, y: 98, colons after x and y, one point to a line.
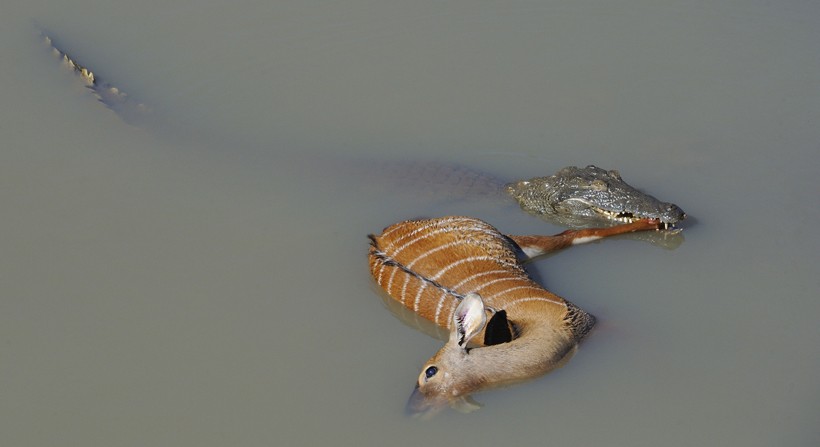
x: 573, y: 197
x: 464, y: 275
x: 591, y: 193
x: 130, y: 111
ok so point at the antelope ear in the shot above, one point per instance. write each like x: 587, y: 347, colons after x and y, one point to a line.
x: 469, y: 319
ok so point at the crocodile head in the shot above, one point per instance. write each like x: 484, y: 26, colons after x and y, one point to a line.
x: 591, y: 193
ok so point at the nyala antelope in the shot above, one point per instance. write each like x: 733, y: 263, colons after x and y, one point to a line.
x: 466, y: 276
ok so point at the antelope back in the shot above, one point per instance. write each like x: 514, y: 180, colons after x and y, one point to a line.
x: 430, y: 265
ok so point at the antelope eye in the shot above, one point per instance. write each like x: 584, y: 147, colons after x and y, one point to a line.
x: 430, y: 372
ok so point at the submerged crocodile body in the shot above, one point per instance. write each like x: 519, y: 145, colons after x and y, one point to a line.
x: 573, y: 197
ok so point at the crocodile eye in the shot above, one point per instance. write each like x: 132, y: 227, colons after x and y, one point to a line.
x: 430, y: 372
x: 598, y: 185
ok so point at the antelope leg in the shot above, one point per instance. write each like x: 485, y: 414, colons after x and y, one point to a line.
x: 533, y: 246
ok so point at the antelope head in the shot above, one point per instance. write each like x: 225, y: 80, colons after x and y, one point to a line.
x: 449, y: 377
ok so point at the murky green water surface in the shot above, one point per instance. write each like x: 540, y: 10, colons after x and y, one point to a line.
x: 203, y: 281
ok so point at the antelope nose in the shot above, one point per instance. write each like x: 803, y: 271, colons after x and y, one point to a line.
x: 418, y: 405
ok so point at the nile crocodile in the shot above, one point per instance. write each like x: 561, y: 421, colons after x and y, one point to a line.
x: 573, y: 197
x: 591, y: 193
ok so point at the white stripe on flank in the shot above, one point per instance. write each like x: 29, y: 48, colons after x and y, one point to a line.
x: 390, y: 281
x: 497, y: 280
x: 418, y: 296
x: 404, y: 288
x: 450, y: 312
x: 452, y: 265
x: 401, y: 226
x: 476, y: 276
x: 439, y: 306
x: 433, y: 250
x: 528, y: 286
x: 532, y: 298
x: 398, y: 250
x: 379, y: 276
x: 390, y: 231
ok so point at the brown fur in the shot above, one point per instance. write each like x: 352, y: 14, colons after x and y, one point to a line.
x: 431, y: 266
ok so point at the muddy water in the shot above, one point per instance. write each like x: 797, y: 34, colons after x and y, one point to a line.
x: 198, y: 283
